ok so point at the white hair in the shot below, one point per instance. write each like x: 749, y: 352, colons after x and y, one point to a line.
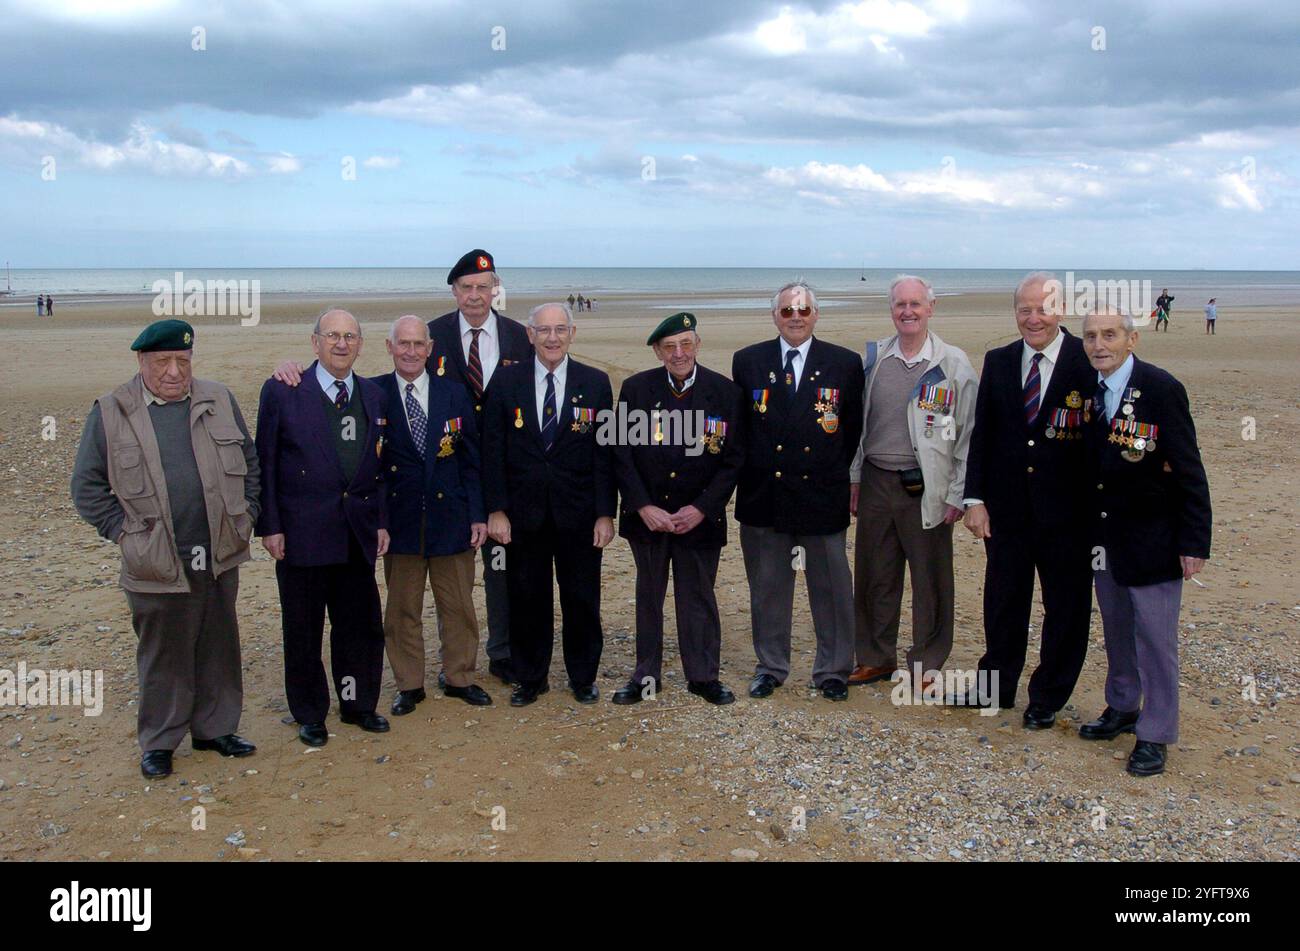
x: 929, y: 291
x: 802, y: 285
x: 392, y: 331
x: 1125, y: 318
x: 568, y: 314
x: 1033, y: 277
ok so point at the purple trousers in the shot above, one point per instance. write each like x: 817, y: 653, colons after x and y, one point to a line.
x: 1140, y: 625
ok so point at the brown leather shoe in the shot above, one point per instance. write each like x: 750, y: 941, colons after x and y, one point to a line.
x: 869, y: 675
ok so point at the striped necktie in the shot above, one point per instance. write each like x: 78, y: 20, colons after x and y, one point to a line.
x: 1099, y: 402
x: 1033, y: 386
x: 341, y: 397
x: 418, y: 420
x: 474, y: 364
x: 550, y: 424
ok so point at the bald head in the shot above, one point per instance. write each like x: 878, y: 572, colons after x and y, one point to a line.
x: 337, y: 341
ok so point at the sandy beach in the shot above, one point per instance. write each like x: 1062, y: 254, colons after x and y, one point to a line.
x: 673, y: 779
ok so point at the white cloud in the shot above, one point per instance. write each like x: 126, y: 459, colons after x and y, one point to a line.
x: 283, y: 164
x: 140, y: 150
x: 382, y: 162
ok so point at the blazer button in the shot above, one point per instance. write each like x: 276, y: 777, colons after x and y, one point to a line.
x: 672, y: 475
x: 394, y: 468
x: 1031, y: 442
x: 1030, y: 469
x: 345, y: 495
x: 1103, y: 514
x: 478, y: 408
x: 778, y: 448
x: 807, y: 448
x: 778, y: 475
x: 439, y: 495
x: 1099, y: 486
x: 805, y: 478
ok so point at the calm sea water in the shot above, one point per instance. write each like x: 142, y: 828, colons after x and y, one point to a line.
x: 1190, y: 287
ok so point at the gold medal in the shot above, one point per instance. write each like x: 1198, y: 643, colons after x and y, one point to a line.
x: 1074, y: 400
x: 829, y: 422
x: 762, y: 407
x: 445, y: 447
x: 519, y: 418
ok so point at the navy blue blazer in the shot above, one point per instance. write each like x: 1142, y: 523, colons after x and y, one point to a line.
x: 575, y: 480
x: 305, y: 495
x: 449, y: 354
x: 442, y: 492
x: 1148, y: 512
x: 797, y: 460
x: 1027, y: 479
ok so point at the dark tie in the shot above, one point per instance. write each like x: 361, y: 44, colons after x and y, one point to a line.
x: 1033, y: 387
x: 550, y: 424
x: 679, y: 386
x: 790, y: 385
x: 475, y: 364
x: 1099, y: 401
x: 341, y: 397
x: 419, y: 422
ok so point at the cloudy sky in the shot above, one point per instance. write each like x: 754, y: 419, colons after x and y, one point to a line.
x: 939, y: 133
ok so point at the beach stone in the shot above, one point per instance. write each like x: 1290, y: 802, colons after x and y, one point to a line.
x: 744, y: 855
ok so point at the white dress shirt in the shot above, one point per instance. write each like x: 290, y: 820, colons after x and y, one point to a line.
x: 686, y: 384
x: 488, y: 346
x: 1051, y: 353
x: 539, y: 385
x: 926, y: 352
x: 1116, y: 384
x: 327, y: 381
x: 421, y: 393
x: 799, y: 362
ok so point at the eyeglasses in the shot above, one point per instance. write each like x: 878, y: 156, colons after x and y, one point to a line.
x: 334, y: 337
x: 788, y: 312
x: 561, y: 331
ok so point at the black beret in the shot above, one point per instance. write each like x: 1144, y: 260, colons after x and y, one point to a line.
x: 170, y: 334
x: 474, y: 262
x: 676, y: 324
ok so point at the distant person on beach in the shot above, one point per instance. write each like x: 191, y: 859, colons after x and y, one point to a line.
x: 179, y: 497
x: 802, y: 419
x: 1211, y: 315
x: 49, y: 306
x: 674, y: 507
x: 571, y: 300
x: 1151, y: 520
x: 40, y: 305
x: 1163, y: 309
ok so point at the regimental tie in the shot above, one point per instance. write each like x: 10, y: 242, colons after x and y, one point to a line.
x: 790, y: 385
x: 1099, y: 402
x: 679, y: 386
x: 475, y: 364
x: 341, y: 397
x: 550, y: 424
x: 419, y: 422
x: 1033, y: 388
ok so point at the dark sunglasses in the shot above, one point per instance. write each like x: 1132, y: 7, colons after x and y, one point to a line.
x: 790, y: 311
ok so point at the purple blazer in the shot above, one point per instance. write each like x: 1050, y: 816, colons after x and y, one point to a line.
x: 305, y: 494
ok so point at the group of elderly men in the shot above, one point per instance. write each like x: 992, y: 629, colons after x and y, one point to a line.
x: 1070, y: 458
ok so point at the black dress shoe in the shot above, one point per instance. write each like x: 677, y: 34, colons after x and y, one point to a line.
x: 155, y: 764
x: 1038, y: 717
x: 370, y: 722
x: 524, y: 694
x: 474, y: 695
x: 313, y: 734
x: 1147, y: 759
x: 712, y: 691
x: 228, y: 745
x: 1109, y: 725
x: 630, y: 693
x: 587, y: 693
x: 502, y: 670
x: 763, y: 685
x: 406, y: 700
x: 835, y: 690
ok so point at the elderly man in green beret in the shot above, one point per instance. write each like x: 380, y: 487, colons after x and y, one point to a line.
x: 677, y: 464
x: 167, y: 470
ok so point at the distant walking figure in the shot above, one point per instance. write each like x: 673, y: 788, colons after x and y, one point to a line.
x: 49, y: 307
x: 1163, y: 309
x: 40, y: 305
x: 571, y: 299
x: 1211, y: 315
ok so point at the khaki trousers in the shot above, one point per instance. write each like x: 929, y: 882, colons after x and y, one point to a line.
x: 451, y: 578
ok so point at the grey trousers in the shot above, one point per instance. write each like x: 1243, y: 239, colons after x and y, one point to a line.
x: 1140, y: 626
x: 699, y: 629
x: 889, y: 538
x: 187, y: 657
x: 770, y: 559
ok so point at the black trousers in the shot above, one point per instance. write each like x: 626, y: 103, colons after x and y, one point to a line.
x: 1064, y: 570
x: 530, y: 557
x: 699, y: 629
x: 349, y: 593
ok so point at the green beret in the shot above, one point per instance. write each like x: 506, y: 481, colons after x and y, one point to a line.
x: 676, y: 324
x: 170, y: 334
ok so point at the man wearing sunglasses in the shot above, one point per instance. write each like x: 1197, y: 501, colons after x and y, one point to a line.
x: 800, y: 427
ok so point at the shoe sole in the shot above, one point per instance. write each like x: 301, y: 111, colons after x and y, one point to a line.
x: 1109, y: 736
x: 1037, y: 726
x: 716, y: 703
x: 1143, y: 772
x: 619, y: 702
x: 367, y: 729
x: 314, y: 746
x: 836, y: 699
x: 213, y: 749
